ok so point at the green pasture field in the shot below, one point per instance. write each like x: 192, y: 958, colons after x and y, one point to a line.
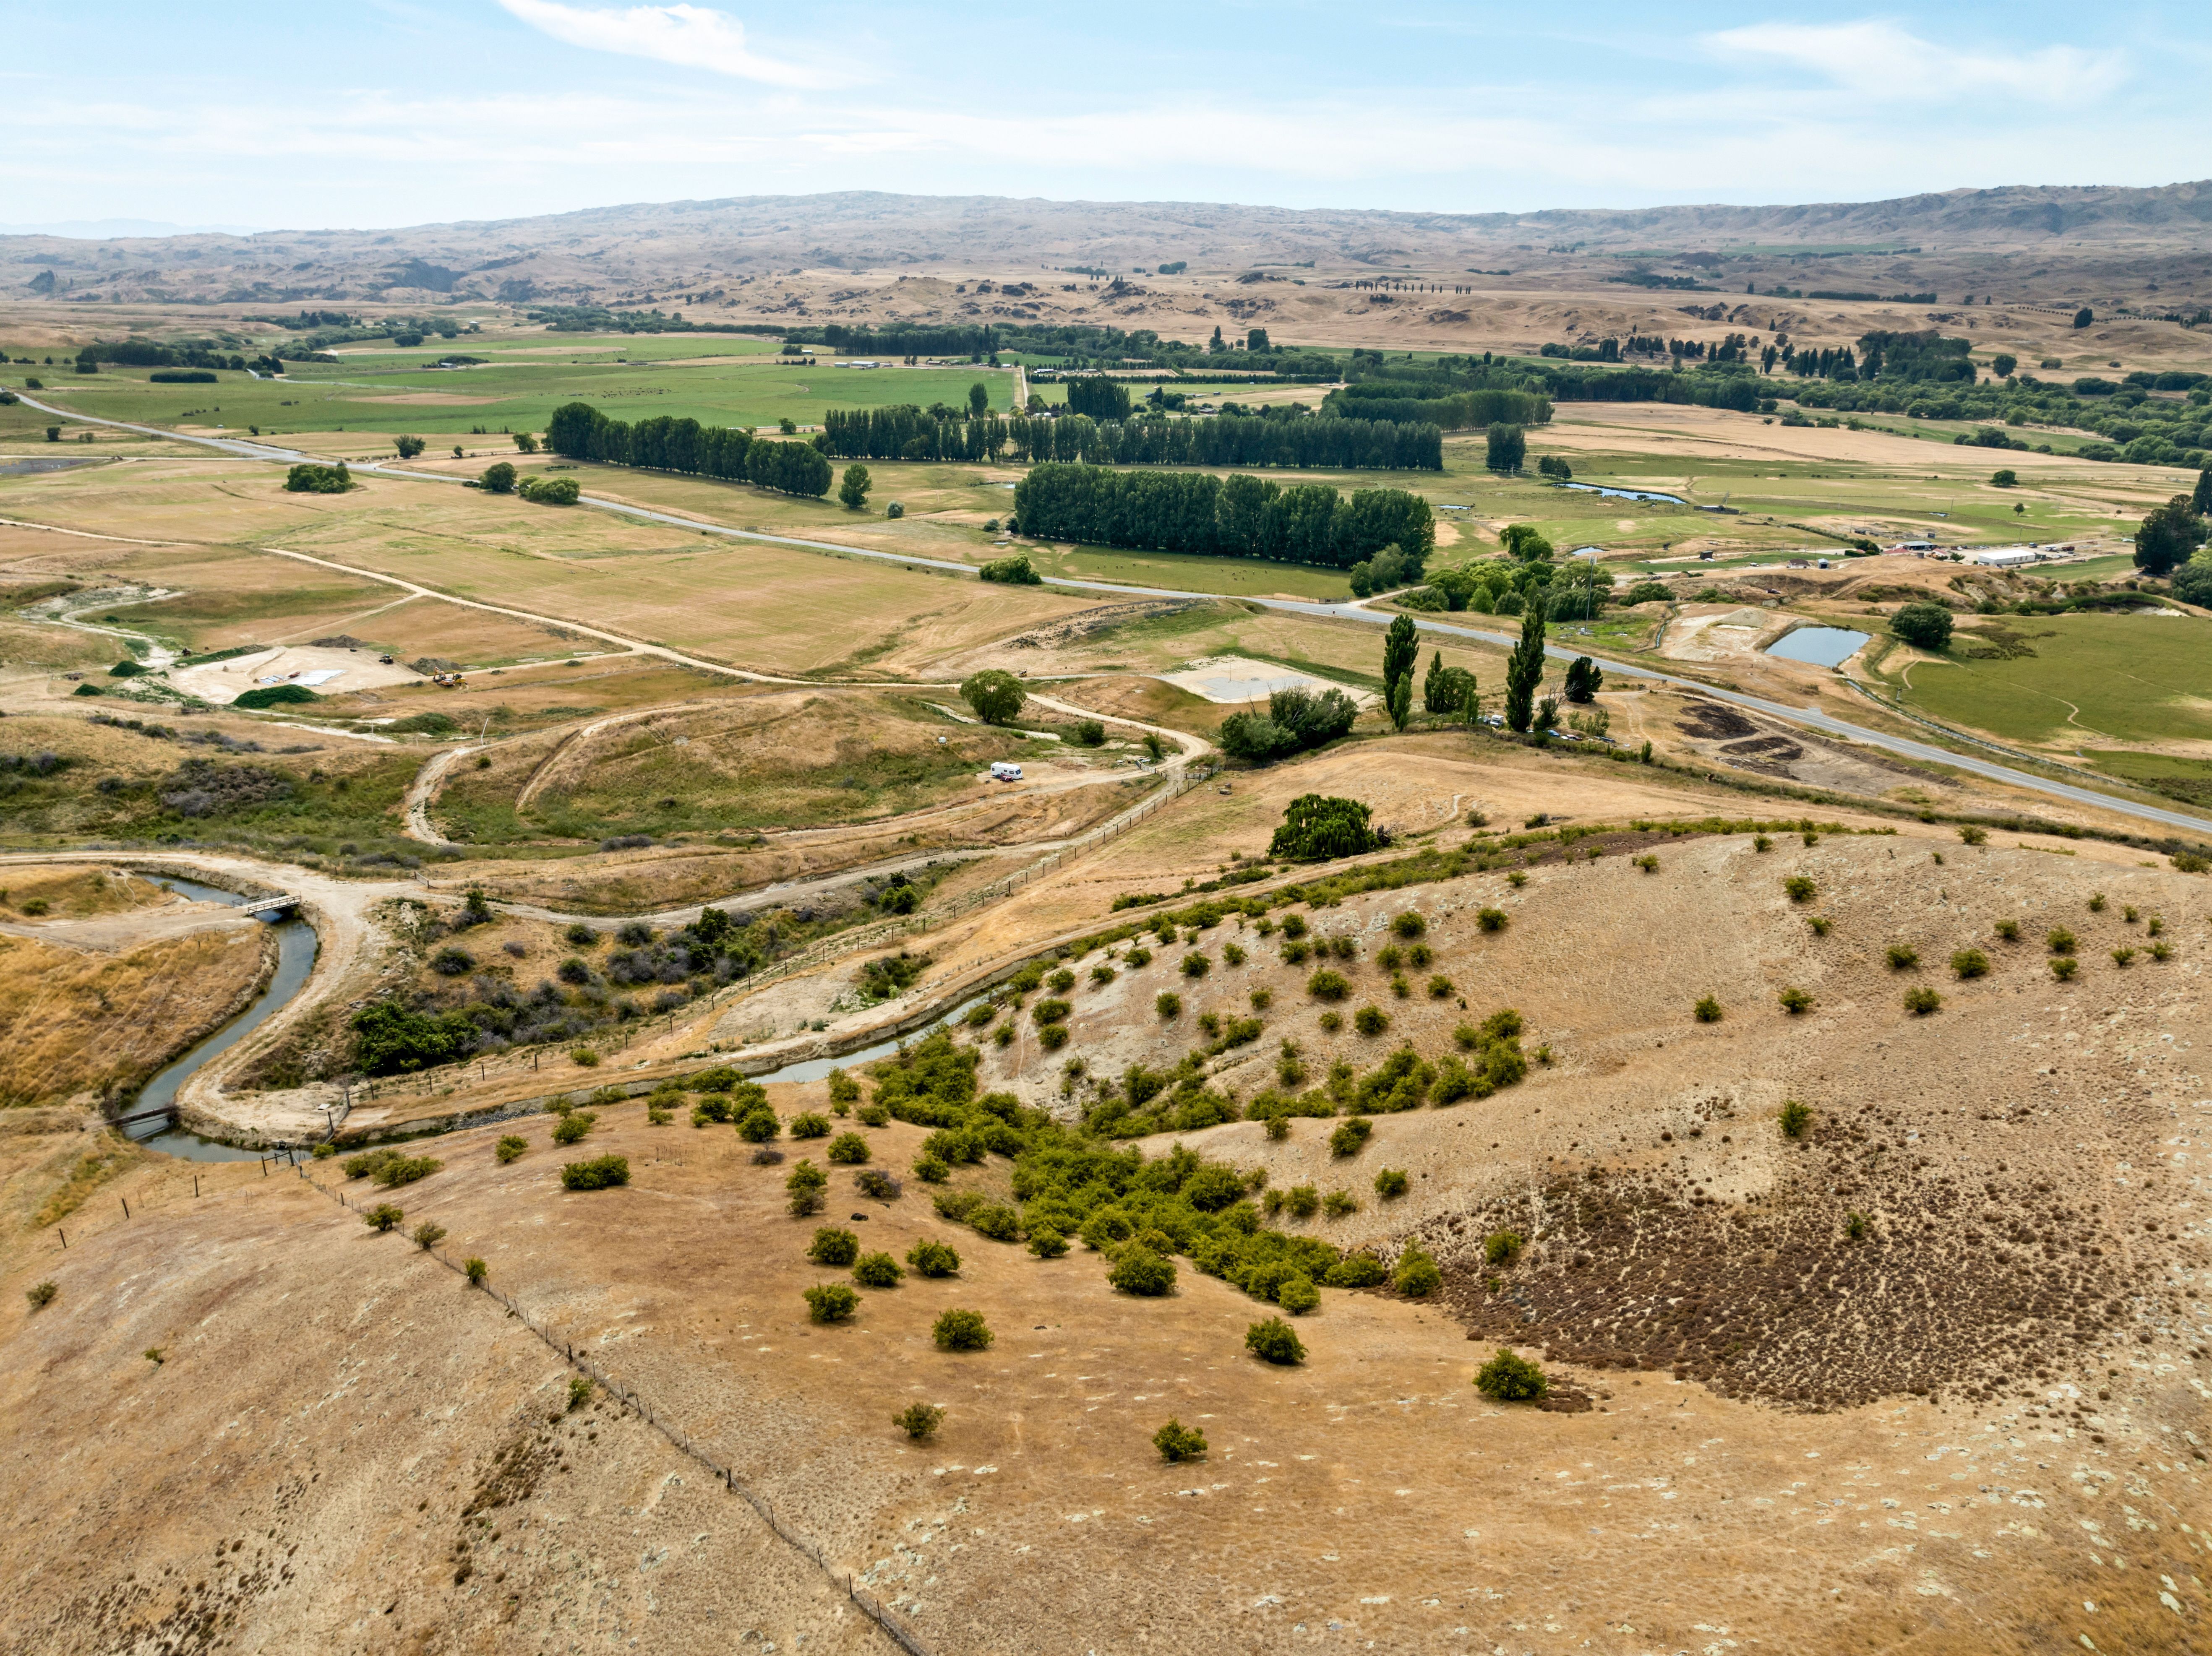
x: 2186, y: 779
x: 2136, y: 678
x: 1191, y: 572
x: 399, y: 391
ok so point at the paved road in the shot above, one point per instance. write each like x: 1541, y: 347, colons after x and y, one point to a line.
x: 1808, y: 717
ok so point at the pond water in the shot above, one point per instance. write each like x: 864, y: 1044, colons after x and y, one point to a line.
x: 1823, y: 647
x: 1626, y: 493
x: 295, y: 959
x: 814, y: 1068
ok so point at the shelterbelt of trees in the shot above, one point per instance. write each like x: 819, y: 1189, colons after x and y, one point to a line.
x: 577, y: 431
x: 908, y: 433
x: 1236, y: 516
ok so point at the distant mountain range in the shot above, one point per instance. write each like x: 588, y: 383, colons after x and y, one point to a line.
x: 614, y: 254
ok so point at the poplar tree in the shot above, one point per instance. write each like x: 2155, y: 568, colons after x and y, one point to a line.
x: 1401, y: 652
x: 1524, y: 669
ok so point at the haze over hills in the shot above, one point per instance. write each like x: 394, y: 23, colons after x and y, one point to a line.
x: 607, y: 254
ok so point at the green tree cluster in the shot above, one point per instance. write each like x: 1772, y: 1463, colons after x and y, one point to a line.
x: 1296, y: 721
x: 1236, y: 516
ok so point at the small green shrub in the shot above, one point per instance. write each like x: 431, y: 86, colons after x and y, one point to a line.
x: 1343, y: 946
x: 805, y: 1189
x: 931, y: 1169
x: 1417, y: 1277
x: 2059, y: 940
x: 580, y: 1392
x: 809, y: 1125
x: 1648, y: 862
x: 834, y: 1247
x: 1139, y: 1270
x: 877, y: 1271
x: 1332, y: 1021
x: 2161, y: 951
x: 1794, y: 1000
x: 1503, y: 1247
x: 831, y: 1302
x: 1195, y: 965
x: 1166, y: 1004
x: 1902, y: 957
x: 1273, y: 1340
x: 1047, y: 1243
x: 1820, y: 925
x: 918, y: 1420
x: 1923, y: 1000
x: 601, y: 1173
x: 1328, y: 985
x: 428, y: 1234
x: 1969, y: 963
x: 1390, y: 1184
x: 2096, y: 903
x: 875, y: 1115
x: 1177, y: 1443
x: 477, y: 1269
x: 1351, y: 1136
x: 2009, y: 930
x: 41, y: 1293
x: 848, y: 1149
x: 572, y: 1128
x: 931, y: 1259
x: 759, y: 1126
x: 961, y: 1330
x: 1301, y: 1201
x: 1511, y: 1378
x: 587, y: 1057
x: 1494, y: 919
x: 1298, y: 1296
x: 2063, y: 966
x: 1361, y: 1270
x: 1974, y: 836
x: 1708, y: 1011
x: 510, y: 1147
x: 1760, y: 842
x: 2123, y: 954
x: 1855, y: 1225
x: 1340, y: 1203
x: 382, y: 1217
x: 1370, y: 1020
x: 1800, y: 887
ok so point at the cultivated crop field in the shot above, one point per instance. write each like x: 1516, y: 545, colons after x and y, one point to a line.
x: 515, y: 390
x: 2079, y: 681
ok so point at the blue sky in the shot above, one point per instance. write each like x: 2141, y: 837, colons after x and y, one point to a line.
x: 381, y: 112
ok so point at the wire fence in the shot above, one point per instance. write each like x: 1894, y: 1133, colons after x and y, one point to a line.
x: 867, y: 1603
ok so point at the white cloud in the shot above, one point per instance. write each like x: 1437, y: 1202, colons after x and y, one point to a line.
x: 694, y: 37
x: 1877, y: 59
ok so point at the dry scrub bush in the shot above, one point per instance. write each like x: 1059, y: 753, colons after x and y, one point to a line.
x: 848, y: 1149
x: 382, y: 1217
x: 510, y: 1147
x: 1273, y: 1340
x: 1921, y: 1001
x: 1351, y: 1136
x: 1417, y: 1274
x: 2063, y: 968
x: 1140, y: 1271
x: 478, y: 1270
x: 805, y: 1189
x: 602, y: 1172
x: 1708, y: 1011
x: 1511, y: 1378
x: 877, y: 1271
x: 1502, y: 1247
x: 809, y: 1125
x: 1795, y: 1118
x: 830, y: 1302
x: 833, y: 1245
x: 1390, y: 1183
x: 961, y: 1330
x: 580, y: 1392
x: 1794, y: 1000
x: 933, y: 1258
x: 1800, y: 888
x: 41, y: 1295
x: 1969, y: 963
x: 918, y: 1420
x: 1298, y: 1296
x: 1177, y: 1443
x: 428, y: 1234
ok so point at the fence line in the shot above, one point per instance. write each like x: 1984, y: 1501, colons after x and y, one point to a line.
x: 865, y: 1602
x: 833, y: 947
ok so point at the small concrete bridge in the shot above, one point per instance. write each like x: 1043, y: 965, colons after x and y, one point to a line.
x: 269, y: 908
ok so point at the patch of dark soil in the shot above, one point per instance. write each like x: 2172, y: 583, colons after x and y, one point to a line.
x: 343, y: 641
x: 1766, y: 747
x: 1948, y: 1285
x: 1710, y: 722
x: 516, y: 1466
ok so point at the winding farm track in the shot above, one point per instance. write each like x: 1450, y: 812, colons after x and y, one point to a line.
x: 1808, y: 717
